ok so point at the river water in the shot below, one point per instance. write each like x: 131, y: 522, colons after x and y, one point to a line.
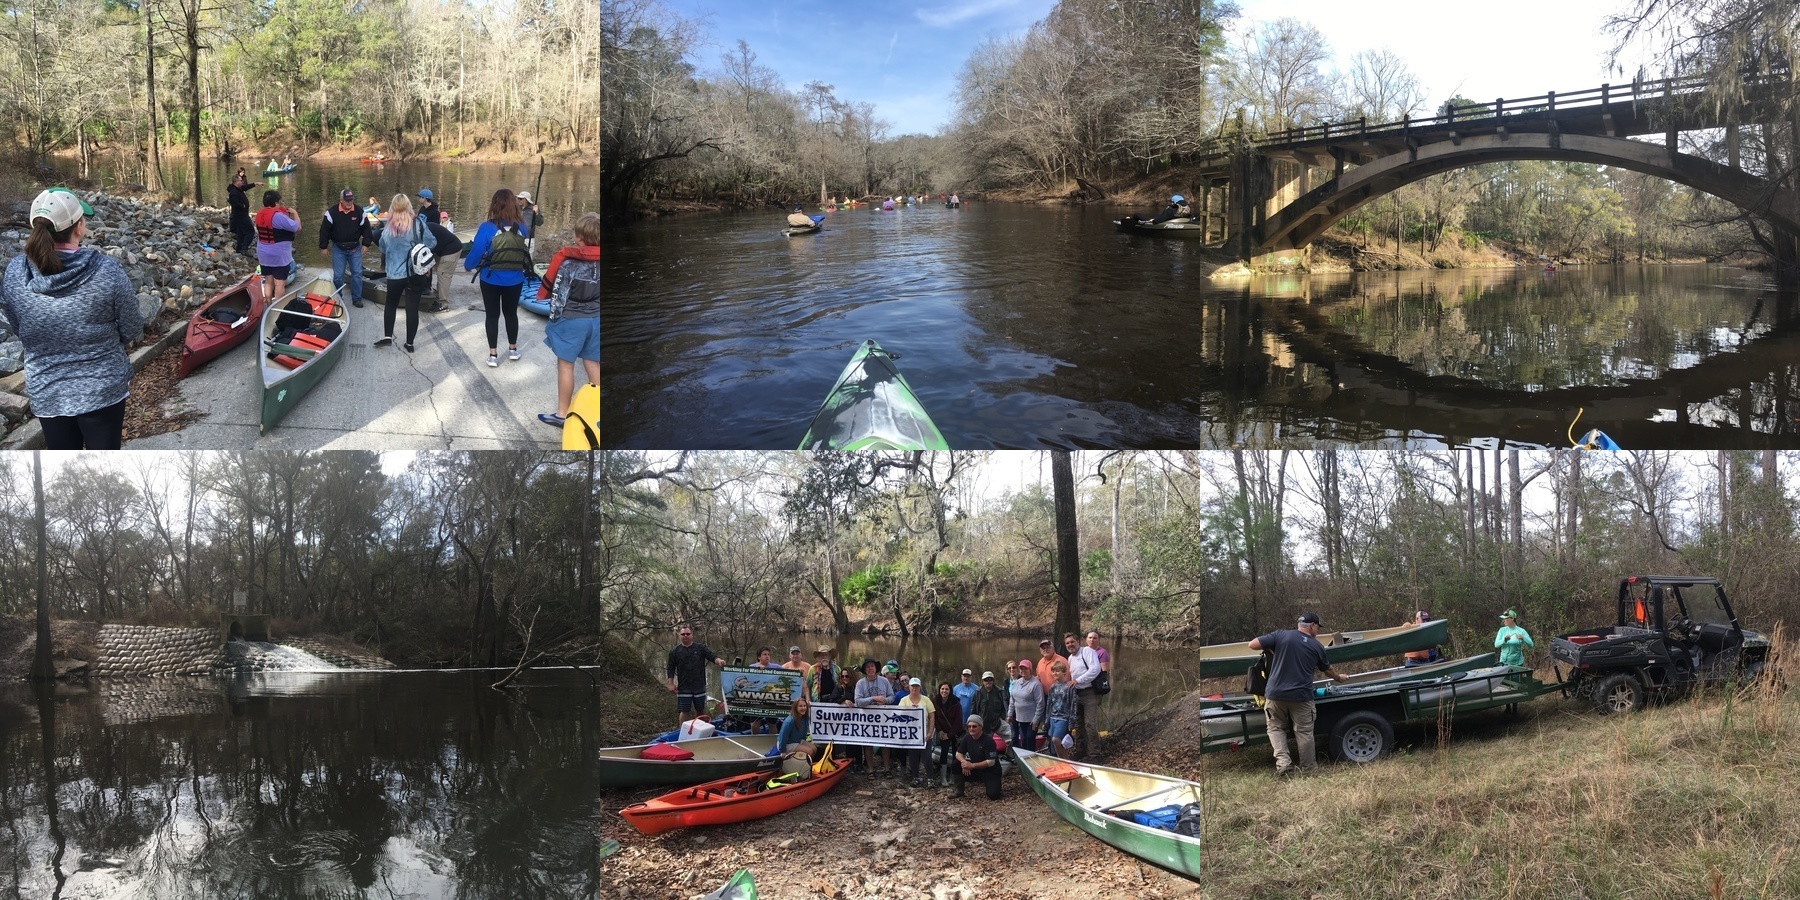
x: 292, y: 785
x: 1030, y: 326
x: 462, y: 188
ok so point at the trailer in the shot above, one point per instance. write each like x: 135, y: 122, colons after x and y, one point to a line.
x: 1356, y: 723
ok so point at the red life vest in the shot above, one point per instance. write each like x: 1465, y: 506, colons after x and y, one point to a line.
x: 266, y: 232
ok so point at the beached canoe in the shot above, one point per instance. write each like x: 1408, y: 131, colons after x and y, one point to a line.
x: 1101, y: 800
x: 1396, y: 673
x: 740, y: 887
x: 727, y: 801
x: 1172, y: 228
x: 714, y: 758
x: 221, y: 323
x: 290, y: 370
x: 871, y: 407
x: 1340, y: 646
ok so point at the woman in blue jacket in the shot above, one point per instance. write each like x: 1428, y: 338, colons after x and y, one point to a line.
x: 500, y: 254
x: 402, y: 232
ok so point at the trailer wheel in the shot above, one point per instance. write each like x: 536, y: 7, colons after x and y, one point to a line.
x: 1618, y: 694
x: 1361, y: 737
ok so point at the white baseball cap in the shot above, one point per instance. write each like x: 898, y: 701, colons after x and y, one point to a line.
x: 61, y: 206
x: 913, y: 682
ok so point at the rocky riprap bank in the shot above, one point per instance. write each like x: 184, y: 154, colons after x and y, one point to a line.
x: 163, y: 247
x: 152, y: 650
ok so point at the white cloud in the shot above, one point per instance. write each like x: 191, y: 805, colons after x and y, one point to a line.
x: 951, y: 14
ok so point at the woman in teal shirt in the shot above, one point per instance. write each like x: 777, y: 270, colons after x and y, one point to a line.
x: 1512, y: 640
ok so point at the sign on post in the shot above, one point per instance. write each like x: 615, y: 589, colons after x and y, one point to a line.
x: 875, y: 726
x: 750, y: 691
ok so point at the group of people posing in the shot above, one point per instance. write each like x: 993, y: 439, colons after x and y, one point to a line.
x: 1048, y: 704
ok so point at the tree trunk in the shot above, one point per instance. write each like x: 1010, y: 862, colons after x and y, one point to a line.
x: 1570, y: 524
x: 41, y: 669
x: 191, y: 14
x: 153, y: 176
x: 1068, y: 551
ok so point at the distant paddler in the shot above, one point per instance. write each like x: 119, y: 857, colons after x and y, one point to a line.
x: 1177, y: 209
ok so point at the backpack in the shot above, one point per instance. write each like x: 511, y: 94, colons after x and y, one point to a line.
x: 1256, y: 681
x: 507, y: 252
x: 420, y: 260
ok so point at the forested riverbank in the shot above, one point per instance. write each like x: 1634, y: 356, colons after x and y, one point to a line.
x: 191, y: 81
x: 1124, y: 98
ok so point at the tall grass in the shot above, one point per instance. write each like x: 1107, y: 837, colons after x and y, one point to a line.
x: 1698, y: 797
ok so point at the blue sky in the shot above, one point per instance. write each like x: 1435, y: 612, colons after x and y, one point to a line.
x: 904, y: 57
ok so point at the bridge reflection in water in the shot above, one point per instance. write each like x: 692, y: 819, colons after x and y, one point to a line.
x: 1663, y: 357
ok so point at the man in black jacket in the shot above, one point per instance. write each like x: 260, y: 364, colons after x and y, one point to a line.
x: 448, y: 245
x: 345, y: 232
x: 241, y: 226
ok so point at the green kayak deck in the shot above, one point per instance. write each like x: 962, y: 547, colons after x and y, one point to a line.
x: 871, y: 407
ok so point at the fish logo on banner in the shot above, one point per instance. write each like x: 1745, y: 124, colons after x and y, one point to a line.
x: 904, y: 727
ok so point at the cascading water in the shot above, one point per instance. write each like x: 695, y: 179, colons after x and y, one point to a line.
x: 262, y: 656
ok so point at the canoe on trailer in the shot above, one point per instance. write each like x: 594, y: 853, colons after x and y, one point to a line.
x: 1171, y: 228
x: 728, y: 800
x: 871, y: 407
x: 290, y: 370
x: 1340, y: 646
x: 221, y: 323
x: 1101, y: 799
x: 1397, y: 673
x: 714, y: 758
x: 528, y: 295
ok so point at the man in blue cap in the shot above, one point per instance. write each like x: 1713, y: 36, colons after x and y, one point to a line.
x: 1177, y: 209
x: 1298, y: 654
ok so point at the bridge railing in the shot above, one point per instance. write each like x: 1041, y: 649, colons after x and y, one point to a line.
x: 1600, y: 97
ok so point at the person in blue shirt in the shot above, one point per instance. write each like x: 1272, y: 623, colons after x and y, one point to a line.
x: 965, y: 692
x: 794, y: 736
x: 502, y: 259
x: 1298, y: 654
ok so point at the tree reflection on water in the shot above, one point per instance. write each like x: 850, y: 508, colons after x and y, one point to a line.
x: 412, y: 784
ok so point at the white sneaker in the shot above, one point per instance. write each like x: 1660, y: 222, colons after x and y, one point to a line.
x: 493, y: 361
x: 513, y: 354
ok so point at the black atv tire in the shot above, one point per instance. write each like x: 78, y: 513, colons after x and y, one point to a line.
x: 1362, y: 737
x: 1620, y: 693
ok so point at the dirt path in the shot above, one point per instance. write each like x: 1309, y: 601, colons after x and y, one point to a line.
x: 874, y: 838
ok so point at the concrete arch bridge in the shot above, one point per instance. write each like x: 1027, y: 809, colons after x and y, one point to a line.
x: 1283, y: 193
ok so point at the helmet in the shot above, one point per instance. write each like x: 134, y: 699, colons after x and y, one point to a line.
x: 1177, y: 198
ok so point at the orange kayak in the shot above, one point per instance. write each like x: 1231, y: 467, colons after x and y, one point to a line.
x: 728, y: 800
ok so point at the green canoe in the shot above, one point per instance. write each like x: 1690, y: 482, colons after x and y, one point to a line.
x: 871, y: 407
x: 714, y: 758
x: 282, y: 387
x: 1397, y: 673
x: 1093, y: 801
x: 740, y: 887
x: 1340, y: 646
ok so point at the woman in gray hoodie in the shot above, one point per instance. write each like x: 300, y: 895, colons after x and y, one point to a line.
x: 74, y: 311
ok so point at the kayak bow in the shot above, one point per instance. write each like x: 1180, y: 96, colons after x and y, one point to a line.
x: 871, y: 407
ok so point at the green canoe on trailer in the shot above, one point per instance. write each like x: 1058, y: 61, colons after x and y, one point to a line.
x: 282, y: 386
x: 1100, y: 802
x: 1397, y: 673
x: 871, y: 407
x: 1340, y: 646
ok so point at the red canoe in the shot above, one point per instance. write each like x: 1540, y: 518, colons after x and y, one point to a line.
x: 212, y: 331
x: 726, y: 801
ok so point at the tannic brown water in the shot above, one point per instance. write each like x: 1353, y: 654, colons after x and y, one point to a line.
x: 1031, y: 326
